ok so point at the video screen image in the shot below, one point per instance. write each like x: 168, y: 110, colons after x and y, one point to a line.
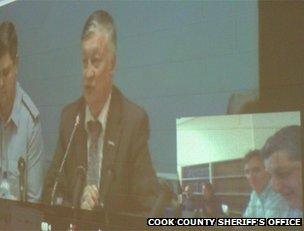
x: 89, y: 96
x: 241, y: 165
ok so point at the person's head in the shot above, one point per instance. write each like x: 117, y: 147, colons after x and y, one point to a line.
x: 188, y: 191
x: 8, y: 67
x: 98, y: 59
x: 282, y: 157
x: 255, y: 171
x: 207, y: 190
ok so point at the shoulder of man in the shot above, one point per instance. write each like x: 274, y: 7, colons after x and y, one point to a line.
x: 129, y: 108
x: 74, y: 107
x: 71, y: 110
x: 250, y: 209
x: 29, y: 104
x: 276, y: 199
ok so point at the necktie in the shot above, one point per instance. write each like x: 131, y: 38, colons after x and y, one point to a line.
x: 94, y: 158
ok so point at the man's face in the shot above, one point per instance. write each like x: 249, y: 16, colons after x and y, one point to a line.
x: 97, y: 70
x: 8, y: 71
x: 256, y: 174
x: 286, y: 177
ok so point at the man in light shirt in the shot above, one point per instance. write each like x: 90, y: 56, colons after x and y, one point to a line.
x: 264, y: 201
x: 20, y: 127
x: 282, y: 154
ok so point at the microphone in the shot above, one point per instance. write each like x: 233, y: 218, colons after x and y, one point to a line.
x: 22, y: 179
x: 78, y: 186
x: 64, y: 159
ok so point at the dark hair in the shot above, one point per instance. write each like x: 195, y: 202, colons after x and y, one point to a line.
x: 286, y: 139
x: 252, y: 154
x: 100, y: 21
x: 8, y: 39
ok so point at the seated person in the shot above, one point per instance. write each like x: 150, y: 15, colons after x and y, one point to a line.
x: 20, y: 128
x: 282, y: 156
x: 189, y: 205
x: 264, y: 201
x: 210, y: 205
x: 111, y: 135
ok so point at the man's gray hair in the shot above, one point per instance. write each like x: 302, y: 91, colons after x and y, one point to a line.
x: 287, y: 139
x: 101, y: 22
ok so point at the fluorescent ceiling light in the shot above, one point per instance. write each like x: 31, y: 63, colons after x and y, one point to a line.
x: 6, y: 2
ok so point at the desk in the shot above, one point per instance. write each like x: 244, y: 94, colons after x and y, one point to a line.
x: 15, y: 215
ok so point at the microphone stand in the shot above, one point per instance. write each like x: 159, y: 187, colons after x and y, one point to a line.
x: 22, y: 179
x: 63, y: 161
x: 78, y: 186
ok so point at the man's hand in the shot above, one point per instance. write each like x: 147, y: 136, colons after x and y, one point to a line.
x: 90, y: 197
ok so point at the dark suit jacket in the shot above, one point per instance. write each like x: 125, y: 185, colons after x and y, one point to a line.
x: 128, y: 181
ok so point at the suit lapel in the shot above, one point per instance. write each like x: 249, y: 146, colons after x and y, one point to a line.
x: 111, y: 141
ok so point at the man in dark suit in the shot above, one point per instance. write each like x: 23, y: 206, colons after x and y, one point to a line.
x: 111, y: 138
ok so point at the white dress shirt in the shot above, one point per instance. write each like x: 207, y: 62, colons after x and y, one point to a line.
x: 102, y: 118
